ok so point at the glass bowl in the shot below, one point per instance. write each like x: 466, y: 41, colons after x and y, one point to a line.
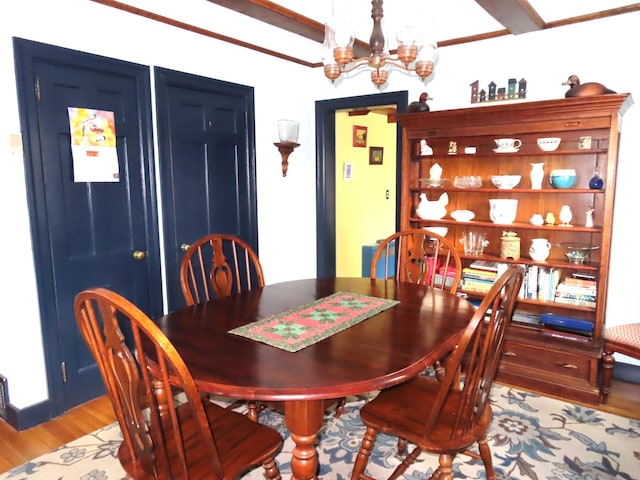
x: 467, y: 181
x: 434, y: 182
x: 577, y: 253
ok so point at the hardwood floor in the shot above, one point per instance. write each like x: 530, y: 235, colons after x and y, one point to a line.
x: 17, y: 448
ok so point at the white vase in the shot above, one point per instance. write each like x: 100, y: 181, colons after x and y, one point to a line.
x: 537, y: 175
x: 539, y: 250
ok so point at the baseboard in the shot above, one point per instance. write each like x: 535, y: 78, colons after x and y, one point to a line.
x: 626, y: 372
x: 22, y: 419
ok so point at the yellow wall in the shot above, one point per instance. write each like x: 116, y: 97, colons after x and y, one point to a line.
x: 363, y: 213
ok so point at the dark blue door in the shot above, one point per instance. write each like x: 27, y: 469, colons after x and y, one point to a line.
x: 207, y: 164
x: 86, y: 233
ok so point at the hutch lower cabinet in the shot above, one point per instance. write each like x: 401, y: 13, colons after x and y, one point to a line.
x: 555, y: 341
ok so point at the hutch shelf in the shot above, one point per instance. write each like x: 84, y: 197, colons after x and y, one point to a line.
x: 535, y: 358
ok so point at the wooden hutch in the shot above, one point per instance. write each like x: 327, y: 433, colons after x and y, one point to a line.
x: 589, y: 128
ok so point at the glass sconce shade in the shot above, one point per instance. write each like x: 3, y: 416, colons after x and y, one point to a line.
x: 288, y: 130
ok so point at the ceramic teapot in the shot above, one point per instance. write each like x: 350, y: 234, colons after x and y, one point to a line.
x: 432, y: 209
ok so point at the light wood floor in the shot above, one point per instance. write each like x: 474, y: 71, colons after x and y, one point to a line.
x: 18, y: 447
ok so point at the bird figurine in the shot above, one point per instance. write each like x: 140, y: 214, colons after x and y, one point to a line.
x: 585, y: 89
x: 421, y: 105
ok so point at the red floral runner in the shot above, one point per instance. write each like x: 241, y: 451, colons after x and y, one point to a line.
x: 298, y: 328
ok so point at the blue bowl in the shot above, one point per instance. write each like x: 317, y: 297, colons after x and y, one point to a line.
x: 562, y: 178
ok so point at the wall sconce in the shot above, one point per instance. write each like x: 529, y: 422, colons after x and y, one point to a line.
x: 288, y: 133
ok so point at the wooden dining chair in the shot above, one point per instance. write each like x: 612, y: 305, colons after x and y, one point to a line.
x: 448, y: 414
x: 417, y: 256
x: 218, y: 265
x: 623, y: 339
x: 165, y: 438
x: 421, y: 256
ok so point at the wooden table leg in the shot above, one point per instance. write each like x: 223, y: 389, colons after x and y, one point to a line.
x: 304, y: 419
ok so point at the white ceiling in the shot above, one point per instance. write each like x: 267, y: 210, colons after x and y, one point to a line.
x: 443, y: 20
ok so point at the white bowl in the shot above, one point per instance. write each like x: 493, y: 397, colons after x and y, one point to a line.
x: 462, y: 215
x: 442, y: 231
x: 505, y: 181
x: 549, y: 144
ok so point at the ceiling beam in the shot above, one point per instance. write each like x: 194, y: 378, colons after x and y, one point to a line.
x: 517, y: 16
x: 278, y: 16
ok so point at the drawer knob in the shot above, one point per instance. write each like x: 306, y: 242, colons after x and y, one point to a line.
x: 510, y: 354
x: 567, y: 365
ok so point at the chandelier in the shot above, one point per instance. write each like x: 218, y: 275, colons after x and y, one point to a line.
x: 412, y: 54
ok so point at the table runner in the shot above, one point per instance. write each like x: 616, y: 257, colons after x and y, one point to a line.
x: 300, y: 327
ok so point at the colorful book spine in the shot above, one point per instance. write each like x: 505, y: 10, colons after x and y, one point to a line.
x: 581, y: 302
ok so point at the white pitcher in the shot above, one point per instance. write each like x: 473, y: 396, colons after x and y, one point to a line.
x: 539, y: 250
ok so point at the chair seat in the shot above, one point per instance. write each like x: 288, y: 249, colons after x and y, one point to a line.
x: 230, y: 429
x: 624, y: 335
x: 401, y: 411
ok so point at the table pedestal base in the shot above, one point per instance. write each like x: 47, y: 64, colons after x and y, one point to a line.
x: 304, y: 419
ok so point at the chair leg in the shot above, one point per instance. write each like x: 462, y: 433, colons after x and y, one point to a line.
x: 362, y: 459
x: 445, y: 470
x: 402, y: 447
x: 607, y: 369
x: 271, y: 470
x: 340, y: 407
x: 406, y: 463
x: 487, y: 459
x: 252, y: 411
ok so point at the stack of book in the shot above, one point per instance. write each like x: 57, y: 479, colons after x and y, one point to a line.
x: 480, y: 276
x: 576, y: 291
x: 566, y: 327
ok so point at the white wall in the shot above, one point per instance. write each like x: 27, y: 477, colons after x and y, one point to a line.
x: 595, y: 51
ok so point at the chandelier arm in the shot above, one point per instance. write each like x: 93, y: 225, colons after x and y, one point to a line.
x: 399, y: 64
x: 357, y: 62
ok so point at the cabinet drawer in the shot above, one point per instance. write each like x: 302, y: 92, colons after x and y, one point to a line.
x: 553, y: 363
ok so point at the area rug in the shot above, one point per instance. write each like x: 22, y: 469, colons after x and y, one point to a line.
x: 531, y: 437
x: 300, y: 327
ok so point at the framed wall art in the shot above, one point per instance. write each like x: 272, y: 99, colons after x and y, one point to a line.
x: 359, y: 136
x: 375, y: 155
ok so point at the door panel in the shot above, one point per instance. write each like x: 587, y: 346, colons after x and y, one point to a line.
x: 207, y: 164
x: 87, y: 232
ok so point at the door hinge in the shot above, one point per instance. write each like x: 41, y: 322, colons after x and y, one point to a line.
x: 63, y: 368
x: 37, y: 85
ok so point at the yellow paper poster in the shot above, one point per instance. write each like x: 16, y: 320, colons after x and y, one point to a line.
x: 93, y: 145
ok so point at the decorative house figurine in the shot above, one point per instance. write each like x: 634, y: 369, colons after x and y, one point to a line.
x: 515, y: 89
x: 522, y: 88
x: 510, y: 245
x: 511, y: 89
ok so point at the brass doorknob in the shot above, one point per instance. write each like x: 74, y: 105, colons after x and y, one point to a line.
x: 139, y: 255
x: 184, y: 247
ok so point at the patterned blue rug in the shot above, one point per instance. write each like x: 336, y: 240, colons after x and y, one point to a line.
x: 531, y: 438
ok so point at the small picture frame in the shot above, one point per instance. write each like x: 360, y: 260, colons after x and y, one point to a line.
x: 584, y: 143
x: 375, y: 155
x: 359, y: 136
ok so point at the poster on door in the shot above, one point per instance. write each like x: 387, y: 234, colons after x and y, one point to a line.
x: 93, y: 145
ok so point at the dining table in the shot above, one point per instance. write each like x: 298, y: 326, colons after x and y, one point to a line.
x: 395, y: 341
